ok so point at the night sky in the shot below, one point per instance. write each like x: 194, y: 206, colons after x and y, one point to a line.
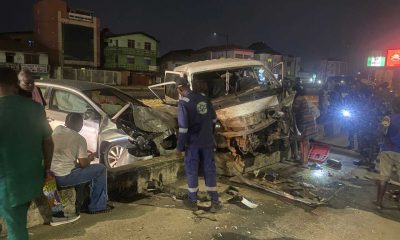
x: 311, y: 29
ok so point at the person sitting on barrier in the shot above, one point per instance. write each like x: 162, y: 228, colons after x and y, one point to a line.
x: 71, y: 163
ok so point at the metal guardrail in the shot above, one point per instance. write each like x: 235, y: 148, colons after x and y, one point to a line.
x: 92, y: 75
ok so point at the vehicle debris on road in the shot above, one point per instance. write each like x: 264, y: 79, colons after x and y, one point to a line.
x: 312, y: 201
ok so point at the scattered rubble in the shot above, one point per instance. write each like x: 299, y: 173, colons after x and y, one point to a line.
x: 297, y: 194
x: 236, y: 198
x: 333, y: 163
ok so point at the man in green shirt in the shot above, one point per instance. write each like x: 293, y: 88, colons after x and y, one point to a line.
x: 26, y: 150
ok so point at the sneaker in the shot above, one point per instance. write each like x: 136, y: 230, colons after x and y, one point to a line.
x: 215, y: 207
x: 57, y: 221
x: 190, y: 205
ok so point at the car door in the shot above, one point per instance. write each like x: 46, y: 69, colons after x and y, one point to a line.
x: 63, y: 102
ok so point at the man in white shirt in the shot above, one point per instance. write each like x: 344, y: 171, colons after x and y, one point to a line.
x: 71, y: 163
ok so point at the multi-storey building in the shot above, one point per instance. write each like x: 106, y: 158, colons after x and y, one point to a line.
x: 272, y: 58
x: 135, y: 52
x: 223, y: 51
x: 70, y: 36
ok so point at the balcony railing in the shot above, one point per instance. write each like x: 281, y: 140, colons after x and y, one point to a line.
x: 132, y: 67
x: 130, y: 51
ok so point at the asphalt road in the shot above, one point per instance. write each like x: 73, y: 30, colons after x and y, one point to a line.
x: 349, y: 215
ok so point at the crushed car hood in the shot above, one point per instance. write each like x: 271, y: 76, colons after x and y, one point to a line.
x: 149, y: 119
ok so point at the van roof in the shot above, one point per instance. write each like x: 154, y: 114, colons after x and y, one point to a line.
x: 215, y: 64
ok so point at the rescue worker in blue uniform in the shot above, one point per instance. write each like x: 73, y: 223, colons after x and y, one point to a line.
x: 196, y: 119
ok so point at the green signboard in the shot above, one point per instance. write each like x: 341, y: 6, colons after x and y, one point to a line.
x: 378, y: 61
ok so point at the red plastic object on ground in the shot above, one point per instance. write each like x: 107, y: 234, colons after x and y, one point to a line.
x: 319, y: 152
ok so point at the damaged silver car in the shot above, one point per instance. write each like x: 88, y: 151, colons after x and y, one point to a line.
x: 252, y: 106
x: 121, y: 129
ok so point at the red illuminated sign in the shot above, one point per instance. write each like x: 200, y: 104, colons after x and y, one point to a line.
x: 393, y: 58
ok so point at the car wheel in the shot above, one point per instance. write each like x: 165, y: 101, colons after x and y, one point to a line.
x: 116, y: 155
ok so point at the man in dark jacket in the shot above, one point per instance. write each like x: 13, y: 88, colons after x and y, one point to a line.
x: 196, y: 119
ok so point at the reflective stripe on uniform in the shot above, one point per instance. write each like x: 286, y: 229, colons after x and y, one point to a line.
x: 184, y: 99
x: 183, y: 130
x: 196, y: 189
x: 211, y: 189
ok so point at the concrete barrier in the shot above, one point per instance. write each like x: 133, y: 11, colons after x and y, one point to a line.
x: 39, y: 211
x: 124, y: 180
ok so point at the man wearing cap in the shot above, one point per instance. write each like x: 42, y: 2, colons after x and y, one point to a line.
x: 196, y: 119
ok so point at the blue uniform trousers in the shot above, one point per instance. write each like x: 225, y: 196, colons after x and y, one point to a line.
x: 194, y: 157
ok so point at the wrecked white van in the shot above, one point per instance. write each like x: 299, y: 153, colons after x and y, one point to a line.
x: 253, y: 108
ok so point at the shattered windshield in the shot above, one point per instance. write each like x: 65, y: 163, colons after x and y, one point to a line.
x: 110, y: 100
x: 223, y: 82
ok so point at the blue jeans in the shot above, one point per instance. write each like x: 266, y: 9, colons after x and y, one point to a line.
x: 96, y: 174
x: 194, y: 157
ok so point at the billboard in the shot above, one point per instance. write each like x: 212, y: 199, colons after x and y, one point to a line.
x: 78, y: 43
x: 393, y: 58
x: 376, y: 61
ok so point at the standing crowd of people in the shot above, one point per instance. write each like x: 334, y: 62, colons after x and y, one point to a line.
x: 374, y: 125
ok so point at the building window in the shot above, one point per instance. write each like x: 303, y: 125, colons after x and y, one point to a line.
x: 147, y: 46
x: 269, y: 60
x: 147, y: 61
x: 116, y: 43
x: 289, y: 64
x: 116, y: 58
x: 10, y: 57
x: 130, y: 59
x: 131, y: 43
x: 31, y: 58
x: 238, y: 56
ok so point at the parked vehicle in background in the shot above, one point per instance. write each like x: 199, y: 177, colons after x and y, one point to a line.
x: 252, y: 106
